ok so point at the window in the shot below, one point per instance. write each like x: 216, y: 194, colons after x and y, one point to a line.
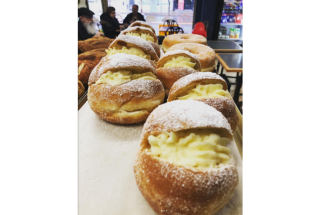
x: 96, y: 7
x: 157, y: 11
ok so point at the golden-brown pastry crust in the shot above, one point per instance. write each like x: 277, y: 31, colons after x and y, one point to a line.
x: 155, y: 47
x: 205, y: 54
x: 137, y: 42
x: 90, y: 60
x: 168, y: 55
x: 227, y: 107
x: 126, y: 103
x: 174, y: 189
x: 139, y: 30
x: 171, y: 189
x: 115, y: 103
x: 81, y: 89
x: 190, y: 81
x: 143, y: 24
x: 121, y: 62
x: 224, y: 105
x: 94, y: 43
x: 169, y: 75
x: 183, y: 115
x: 173, y: 39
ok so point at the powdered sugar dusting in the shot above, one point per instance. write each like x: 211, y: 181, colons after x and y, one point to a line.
x: 146, y: 88
x: 121, y: 60
x: 227, y: 107
x: 170, y: 53
x: 117, y: 62
x: 141, y: 23
x: 139, y: 88
x: 134, y: 40
x: 188, y: 186
x: 130, y: 29
x: 180, y: 114
x: 184, y: 81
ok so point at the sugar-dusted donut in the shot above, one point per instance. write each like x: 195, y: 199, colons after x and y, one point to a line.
x: 173, y: 39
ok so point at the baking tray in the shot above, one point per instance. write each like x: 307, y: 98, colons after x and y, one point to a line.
x: 106, y: 180
x: 82, y: 100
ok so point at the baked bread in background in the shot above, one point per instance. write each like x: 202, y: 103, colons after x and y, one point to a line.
x: 81, y: 89
x: 123, y: 89
x: 209, y: 88
x: 184, y: 165
x: 174, y: 65
x: 205, y: 54
x: 86, y: 62
x: 94, y: 43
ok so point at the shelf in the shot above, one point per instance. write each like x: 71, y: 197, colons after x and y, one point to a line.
x: 231, y: 24
x: 229, y: 38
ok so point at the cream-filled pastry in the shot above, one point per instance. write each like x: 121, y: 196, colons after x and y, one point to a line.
x: 205, y: 54
x: 132, y: 45
x: 184, y: 164
x: 144, y: 33
x: 86, y: 63
x: 174, y: 65
x: 132, y: 50
x: 142, y: 24
x: 206, y: 87
x: 202, y: 91
x: 123, y: 89
x: 197, y: 148
x: 145, y: 36
x: 123, y: 76
x: 180, y: 61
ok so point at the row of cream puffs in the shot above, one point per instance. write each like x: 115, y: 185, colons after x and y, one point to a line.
x: 184, y: 164
x: 123, y: 87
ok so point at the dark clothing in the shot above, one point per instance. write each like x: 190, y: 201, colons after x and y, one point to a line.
x: 82, y: 32
x: 130, y: 16
x: 109, y: 26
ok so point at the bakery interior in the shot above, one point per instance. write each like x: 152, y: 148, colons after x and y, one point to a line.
x: 160, y: 109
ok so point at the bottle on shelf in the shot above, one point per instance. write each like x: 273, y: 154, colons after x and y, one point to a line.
x: 237, y: 33
x: 231, y: 32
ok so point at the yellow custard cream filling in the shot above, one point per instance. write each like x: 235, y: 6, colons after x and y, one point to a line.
x: 205, y: 91
x: 146, y: 37
x: 194, y: 148
x: 180, y: 61
x: 123, y: 76
x: 131, y: 50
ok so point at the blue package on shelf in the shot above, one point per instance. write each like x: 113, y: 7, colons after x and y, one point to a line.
x: 224, y: 18
x: 231, y: 18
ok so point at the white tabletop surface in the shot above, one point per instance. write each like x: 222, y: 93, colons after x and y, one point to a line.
x: 106, y: 180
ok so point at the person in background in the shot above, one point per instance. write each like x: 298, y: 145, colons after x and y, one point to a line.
x: 109, y: 23
x: 86, y: 24
x: 132, y: 17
